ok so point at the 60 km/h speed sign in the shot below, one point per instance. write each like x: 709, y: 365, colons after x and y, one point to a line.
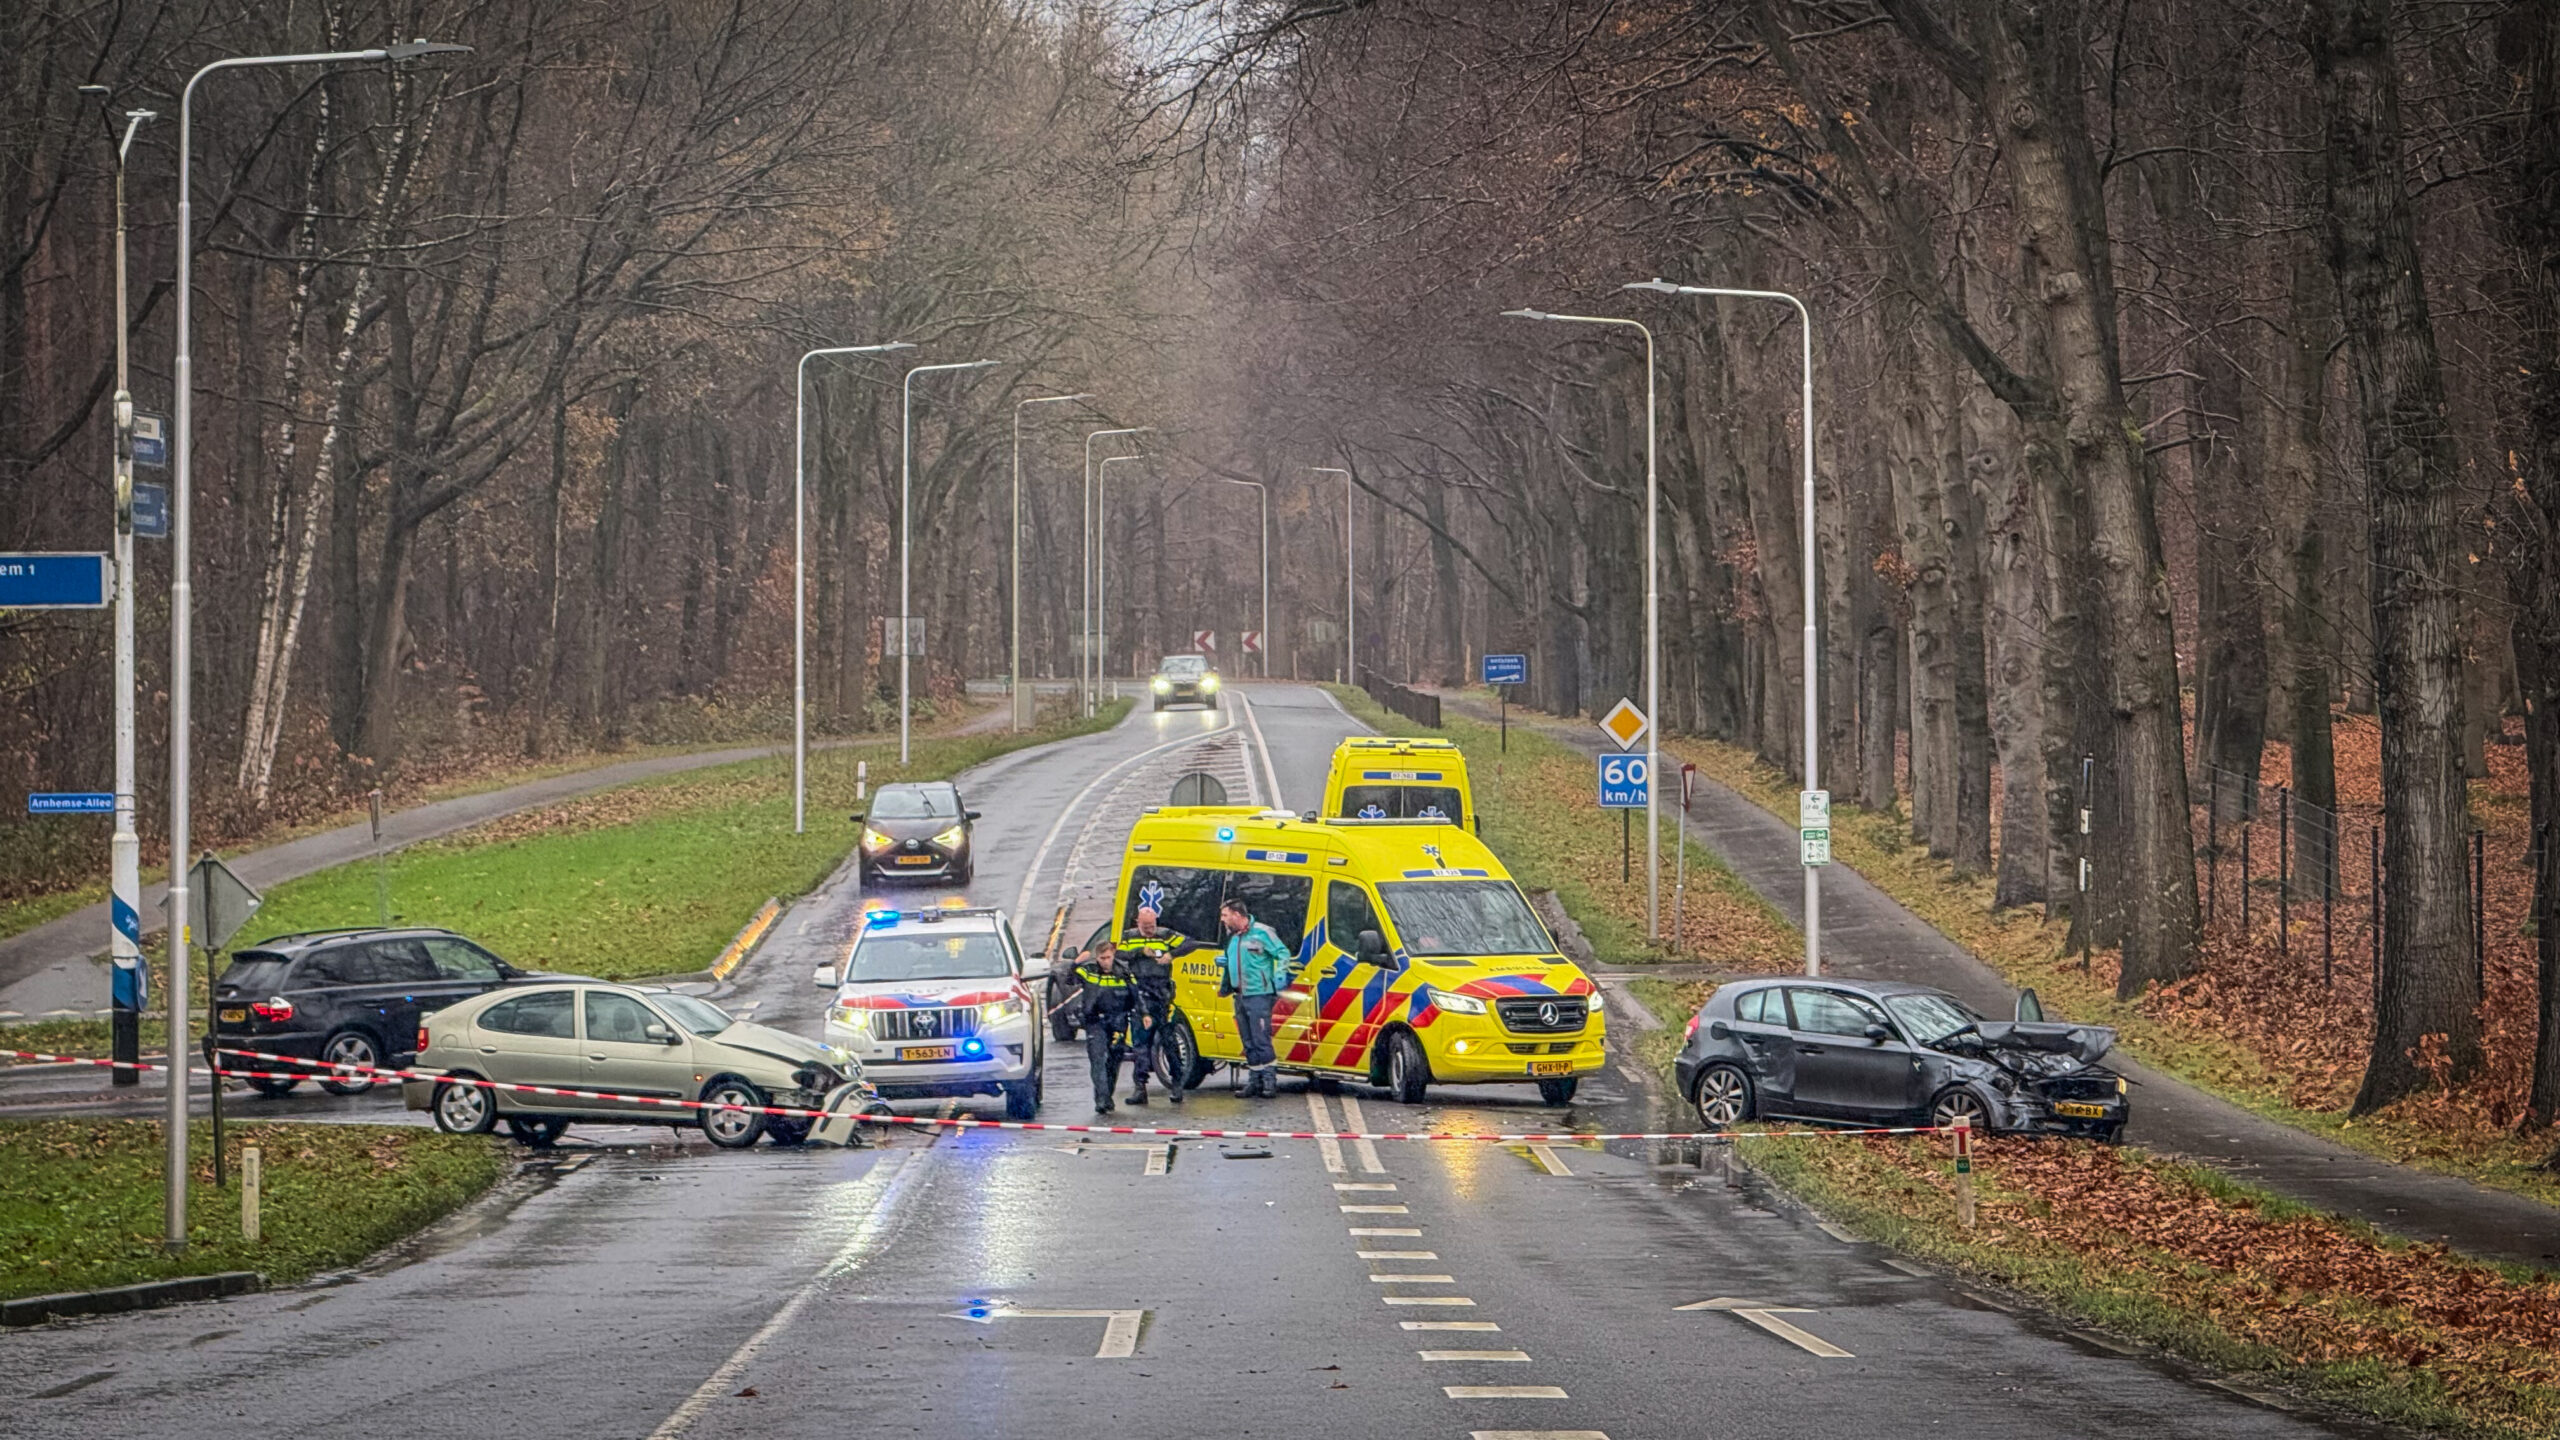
x: 1624, y: 780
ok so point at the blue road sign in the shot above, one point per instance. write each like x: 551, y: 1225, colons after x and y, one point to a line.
x: 151, y: 441
x: 150, y: 510
x: 1624, y: 780
x: 73, y: 802
x: 53, y: 581
x: 1506, y: 669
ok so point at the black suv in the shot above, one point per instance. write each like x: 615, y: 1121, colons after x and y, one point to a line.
x: 346, y: 997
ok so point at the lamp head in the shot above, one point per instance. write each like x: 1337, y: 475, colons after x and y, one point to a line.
x: 1657, y: 283
x: 1528, y: 314
x: 98, y: 93
x: 420, y: 49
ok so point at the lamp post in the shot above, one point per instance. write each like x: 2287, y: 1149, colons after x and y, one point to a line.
x: 1088, y: 674
x: 1022, y: 713
x: 1812, y: 655
x: 1262, y: 494
x: 124, y: 849
x: 1652, y: 618
x: 1101, y: 569
x: 182, y: 602
x: 800, y: 574
x: 906, y: 529
x: 1350, y: 651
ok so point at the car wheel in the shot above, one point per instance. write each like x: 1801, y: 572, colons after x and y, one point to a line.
x: 1559, y: 1092
x: 273, y: 1089
x: 1184, y: 1059
x: 1722, y: 1097
x: 1159, y: 707
x: 356, y: 1050
x: 1960, y: 1102
x: 786, y: 1132
x: 1408, y: 1071
x: 1021, y: 1100
x: 733, y: 1128
x: 968, y: 873
x: 1060, y: 998
x: 539, y: 1133
x: 462, y: 1109
x: 2112, y: 1135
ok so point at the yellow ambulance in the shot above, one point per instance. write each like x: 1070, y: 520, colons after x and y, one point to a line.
x: 1420, y: 962
x: 1387, y: 777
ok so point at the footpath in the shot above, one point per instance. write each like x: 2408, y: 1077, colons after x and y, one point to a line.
x: 1866, y: 934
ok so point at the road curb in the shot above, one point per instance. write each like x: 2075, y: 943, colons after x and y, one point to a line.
x: 747, y: 939
x: 123, y: 1299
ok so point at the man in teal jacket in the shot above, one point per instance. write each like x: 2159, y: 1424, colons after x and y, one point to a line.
x: 1255, y: 969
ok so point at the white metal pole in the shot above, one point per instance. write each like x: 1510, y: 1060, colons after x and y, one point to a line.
x: 906, y: 532
x: 1350, y: 595
x: 800, y: 574
x: 1020, y: 714
x: 1088, y: 675
x: 1262, y: 497
x: 1101, y: 573
x: 124, y: 849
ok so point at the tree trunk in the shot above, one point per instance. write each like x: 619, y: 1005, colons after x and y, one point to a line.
x: 2231, y: 627
x: 547, y: 554
x: 2427, y: 992
x: 1920, y: 485
x: 2297, y: 474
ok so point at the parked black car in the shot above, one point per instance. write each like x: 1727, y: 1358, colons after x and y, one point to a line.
x: 917, y: 830
x: 1881, y: 1054
x: 347, y: 997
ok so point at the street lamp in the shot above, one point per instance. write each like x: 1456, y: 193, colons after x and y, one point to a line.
x: 1652, y: 619
x: 124, y: 849
x: 1350, y: 652
x: 906, y: 527
x: 1085, y: 663
x: 1101, y: 572
x: 800, y: 574
x: 1022, y: 713
x: 1812, y: 655
x: 182, y: 601
x: 1262, y: 493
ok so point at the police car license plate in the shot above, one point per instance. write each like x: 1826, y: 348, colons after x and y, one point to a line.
x: 234, y: 1015
x: 1550, y: 1067
x: 916, y: 859
x: 926, y: 1052
x: 2076, y: 1109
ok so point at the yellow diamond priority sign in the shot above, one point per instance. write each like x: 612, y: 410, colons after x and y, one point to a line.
x: 1625, y: 724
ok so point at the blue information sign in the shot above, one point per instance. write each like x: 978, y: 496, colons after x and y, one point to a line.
x: 55, y: 581
x: 151, y: 442
x: 73, y: 802
x: 150, y: 510
x: 1506, y: 669
x: 1624, y: 779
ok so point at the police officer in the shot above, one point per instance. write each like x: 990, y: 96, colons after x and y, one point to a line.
x: 1254, y: 969
x: 1109, y: 1000
x: 1151, y: 949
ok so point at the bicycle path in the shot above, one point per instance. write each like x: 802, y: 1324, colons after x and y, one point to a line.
x: 1869, y: 935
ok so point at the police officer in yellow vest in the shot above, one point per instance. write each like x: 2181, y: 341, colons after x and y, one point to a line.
x: 1110, y: 1000
x: 1150, y: 950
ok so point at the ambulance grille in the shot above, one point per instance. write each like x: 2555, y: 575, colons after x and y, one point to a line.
x: 1528, y: 1014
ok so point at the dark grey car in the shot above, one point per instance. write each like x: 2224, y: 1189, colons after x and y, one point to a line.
x: 1853, y: 1052
x: 918, y: 830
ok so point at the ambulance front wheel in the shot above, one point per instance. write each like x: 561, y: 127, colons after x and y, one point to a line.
x: 1559, y: 1092
x: 1408, y: 1069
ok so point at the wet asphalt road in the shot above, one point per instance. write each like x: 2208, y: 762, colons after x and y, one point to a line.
x: 659, y: 1288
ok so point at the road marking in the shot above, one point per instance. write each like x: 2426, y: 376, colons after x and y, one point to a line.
x: 1537, y: 1435
x: 1907, y: 1268
x: 1835, y: 1232
x: 1360, y: 1185
x: 1502, y: 1355
x: 1378, y: 1230
x: 1373, y: 1210
x: 1413, y: 1279
x: 1476, y: 1325
x: 1505, y: 1392
x: 1159, y: 1159
x: 1766, y: 1317
x: 875, y: 1196
x: 1547, y: 1160
x: 1427, y: 1300
x: 1270, y: 777
x: 1326, y: 1145
x: 1397, y: 1254
x: 1040, y: 857
x: 1119, y: 1330
x: 1359, y: 1124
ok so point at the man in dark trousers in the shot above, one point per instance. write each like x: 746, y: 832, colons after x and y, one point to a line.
x: 1110, y: 999
x: 1254, y: 969
x: 1151, y: 950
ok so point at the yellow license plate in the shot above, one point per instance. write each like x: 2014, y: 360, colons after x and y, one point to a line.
x: 1550, y: 1067
x: 234, y: 1015
x: 2077, y: 1110
x: 926, y: 1052
x: 916, y: 859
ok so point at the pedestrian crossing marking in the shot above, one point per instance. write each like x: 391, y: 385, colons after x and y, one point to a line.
x: 1383, y: 1230
x: 1413, y: 1279
x: 1474, y: 1325
x: 1397, y: 1254
x: 1375, y: 1210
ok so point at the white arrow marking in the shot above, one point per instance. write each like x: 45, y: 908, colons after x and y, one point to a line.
x: 1766, y: 1317
x: 1119, y: 1331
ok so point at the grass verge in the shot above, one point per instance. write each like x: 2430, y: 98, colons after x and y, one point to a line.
x: 1542, y: 816
x: 2196, y: 1264
x: 81, y: 1209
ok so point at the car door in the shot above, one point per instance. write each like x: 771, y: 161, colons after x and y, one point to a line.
x: 1346, y: 986
x: 462, y: 969
x: 623, y: 1057
x: 1842, y: 1070
x: 406, y: 987
x: 531, y: 1039
x: 1760, y: 1023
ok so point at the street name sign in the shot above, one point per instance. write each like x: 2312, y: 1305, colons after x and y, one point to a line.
x: 1624, y: 779
x: 1506, y: 669
x: 150, y: 510
x: 55, y: 580
x: 150, y: 441
x: 1625, y: 724
x: 73, y: 802
x: 1813, y: 826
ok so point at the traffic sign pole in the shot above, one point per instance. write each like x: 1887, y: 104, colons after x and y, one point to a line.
x: 132, y: 979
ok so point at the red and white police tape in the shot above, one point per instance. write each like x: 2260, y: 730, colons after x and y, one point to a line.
x: 315, y: 1070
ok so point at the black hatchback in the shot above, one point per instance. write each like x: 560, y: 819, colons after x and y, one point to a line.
x: 917, y: 830
x: 346, y: 998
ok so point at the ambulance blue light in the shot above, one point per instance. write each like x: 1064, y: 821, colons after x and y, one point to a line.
x: 1226, y: 832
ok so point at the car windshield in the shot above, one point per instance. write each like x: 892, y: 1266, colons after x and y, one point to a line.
x: 1182, y: 666
x: 937, y: 803
x: 1463, y: 917
x: 699, y: 1016
x: 253, y: 971
x: 969, y: 956
x: 1929, y: 1018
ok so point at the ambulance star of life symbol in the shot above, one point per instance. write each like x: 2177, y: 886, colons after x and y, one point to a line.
x: 1548, y: 1014
x: 1151, y: 896
x: 1437, y: 863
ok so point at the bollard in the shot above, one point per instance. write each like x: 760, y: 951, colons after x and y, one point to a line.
x: 253, y: 1175
x: 1964, y: 1170
x: 861, y: 780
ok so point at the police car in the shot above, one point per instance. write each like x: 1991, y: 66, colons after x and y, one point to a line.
x: 933, y: 1002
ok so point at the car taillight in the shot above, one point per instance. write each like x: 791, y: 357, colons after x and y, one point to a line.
x: 1692, y: 1031
x: 422, y: 1038
x: 274, y: 1011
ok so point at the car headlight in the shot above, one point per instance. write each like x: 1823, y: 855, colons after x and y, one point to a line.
x: 996, y: 1012
x: 1457, y: 1004
x: 950, y: 839
x: 1208, y: 682
x: 847, y: 1016
x: 1162, y: 684
x: 874, y: 840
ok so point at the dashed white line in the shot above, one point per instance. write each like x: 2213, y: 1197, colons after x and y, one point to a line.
x: 1479, y: 1326
x: 1427, y: 1300
x: 1537, y: 1435
x: 1367, y: 1150
x: 1506, y: 1356
x: 1397, y: 1254
x: 1360, y: 1185
x: 1505, y: 1392
x: 1384, y: 1230
x: 1413, y: 1279
x: 1373, y: 1210
x: 1548, y: 1160
x: 1159, y: 1159
x: 1270, y: 777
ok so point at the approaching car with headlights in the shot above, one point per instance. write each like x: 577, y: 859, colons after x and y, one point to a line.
x: 1185, y: 680
x: 1865, y: 1053
x: 933, y: 1002
x: 631, y: 1044
x: 918, y: 830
